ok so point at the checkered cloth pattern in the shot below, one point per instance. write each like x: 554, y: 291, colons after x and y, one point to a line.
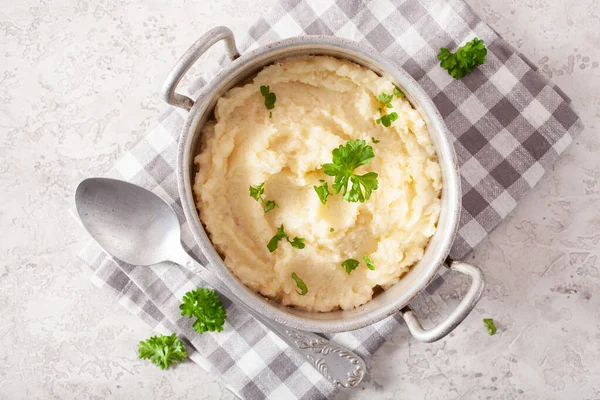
x: 508, y: 125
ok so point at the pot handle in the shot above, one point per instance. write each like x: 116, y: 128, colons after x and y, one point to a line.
x: 189, y: 58
x: 457, y: 315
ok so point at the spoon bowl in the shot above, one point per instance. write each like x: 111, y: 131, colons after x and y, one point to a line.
x: 126, y: 221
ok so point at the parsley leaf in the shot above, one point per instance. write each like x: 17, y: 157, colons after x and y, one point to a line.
x: 273, y: 243
x: 269, y: 96
x: 350, y: 265
x: 300, y: 283
x: 162, y: 350
x: 206, y: 307
x: 375, y: 140
x: 256, y: 192
x: 464, y: 60
x: 398, y: 93
x: 367, y: 182
x: 369, y: 262
x: 330, y: 229
x: 322, y: 192
x: 297, y: 243
x: 269, y: 205
x: 385, y: 100
x: 387, y: 119
x: 489, y: 324
x: 345, y: 160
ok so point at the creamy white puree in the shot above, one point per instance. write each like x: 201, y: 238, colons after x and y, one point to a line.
x: 322, y: 102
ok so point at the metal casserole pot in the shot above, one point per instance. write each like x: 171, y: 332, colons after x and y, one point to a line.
x: 393, y: 300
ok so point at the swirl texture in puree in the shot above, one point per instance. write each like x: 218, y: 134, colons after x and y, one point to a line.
x: 322, y: 102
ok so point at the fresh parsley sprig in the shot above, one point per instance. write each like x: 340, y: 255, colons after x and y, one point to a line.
x: 398, y: 93
x: 297, y: 243
x: 301, y: 285
x: 270, y: 98
x: 345, y: 160
x: 162, y: 350
x: 206, y: 307
x: 256, y: 192
x: 322, y: 191
x: 464, y: 60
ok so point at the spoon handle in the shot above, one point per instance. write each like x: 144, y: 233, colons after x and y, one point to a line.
x: 340, y: 366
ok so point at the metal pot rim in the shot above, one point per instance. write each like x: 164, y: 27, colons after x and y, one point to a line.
x: 435, y: 257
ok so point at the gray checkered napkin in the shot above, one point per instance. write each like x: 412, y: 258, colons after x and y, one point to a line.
x: 509, y: 124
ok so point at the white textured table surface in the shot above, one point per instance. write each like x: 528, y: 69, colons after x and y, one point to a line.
x: 79, y: 81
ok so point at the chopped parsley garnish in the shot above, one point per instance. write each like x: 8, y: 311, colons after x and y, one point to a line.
x: 206, y: 307
x: 256, y: 192
x: 385, y: 100
x: 345, y: 160
x: 398, y: 93
x: 489, y: 324
x: 330, y: 229
x: 464, y: 60
x: 300, y: 283
x: 387, y: 119
x: 375, y: 140
x: 322, y: 192
x: 270, y: 114
x: 162, y: 350
x: 269, y: 205
x: 369, y: 262
x: 269, y: 96
x: 350, y: 265
x: 297, y: 243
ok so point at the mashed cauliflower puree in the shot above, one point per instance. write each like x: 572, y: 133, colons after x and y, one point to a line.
x: 322, y: 102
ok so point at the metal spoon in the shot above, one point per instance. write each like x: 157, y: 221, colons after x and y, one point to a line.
x: 138, y: 227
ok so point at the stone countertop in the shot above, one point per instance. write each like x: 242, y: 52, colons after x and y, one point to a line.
x: 80, y: 81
